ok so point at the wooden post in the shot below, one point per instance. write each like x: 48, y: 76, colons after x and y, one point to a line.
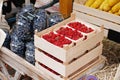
x: 66, y: 8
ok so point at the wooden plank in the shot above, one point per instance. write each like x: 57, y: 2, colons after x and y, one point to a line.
x: 1, y: 4
x: 16, y: 66
x: 83, y: 60
x: 106, y: 32
x: 2, y: 76
x: 23, y: 69
x: 98, y: 13
x: 66, y: 70
x: 17, y: 76
x: 90, y: 68
x: 55, y: 77
x: 2, y: 37
x: 42, y: 58
x: 4, y: 70
x: 10, y: 57
x: 97, y: 21
x: 117, y: 75
x: 80, y: 1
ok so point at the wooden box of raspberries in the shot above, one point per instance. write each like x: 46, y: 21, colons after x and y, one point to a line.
x: 67, y: 47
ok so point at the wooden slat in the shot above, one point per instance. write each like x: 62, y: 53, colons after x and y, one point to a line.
x: 98, y: 21
x: 1, y: 4
x: 23, y: 69
x: 98, y: 64
x: 98, y: 13
x: 83, y: 60
x: 117, y: 75
x: 17, y: 76
x: 2, y: 76
x: 66, y: 70
x: 2, y: 37
x: 5, y: 71
x: 9, y: 57
x: 55, y: 77
x: 42, y: 58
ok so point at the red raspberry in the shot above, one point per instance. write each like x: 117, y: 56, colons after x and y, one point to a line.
x: 56, y: 39
x: 80, y: 27
x: 68, y: 32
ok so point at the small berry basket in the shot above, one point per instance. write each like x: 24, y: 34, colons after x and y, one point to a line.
x: 70, y: 33
x: 86, y: 29
x: 57, y: 39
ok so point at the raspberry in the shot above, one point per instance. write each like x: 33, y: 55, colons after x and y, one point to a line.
x: 68, y: 32
x: 56, y: 39
x: 80, y: 27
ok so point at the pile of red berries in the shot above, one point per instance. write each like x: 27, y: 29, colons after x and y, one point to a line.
x: 81, y: 27
x: 56, y: 39
x: 70, y: 33
x: 65, y: 35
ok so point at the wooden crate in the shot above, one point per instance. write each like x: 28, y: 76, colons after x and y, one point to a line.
x: 67, y: 69
x: 21, y: 66
x: 94, y: 65
x: 97, y: 17
x: 2, y: 76
x: 68, y: 53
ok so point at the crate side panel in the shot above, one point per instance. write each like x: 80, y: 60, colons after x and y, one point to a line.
x: 83, y: 60
x: 98, y: 64
x: 55, y: 51
x: 96, y: 12
x: 54, y: 65
x: 97, y: 21
x: 56, y: 77
x: 83, y: 46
